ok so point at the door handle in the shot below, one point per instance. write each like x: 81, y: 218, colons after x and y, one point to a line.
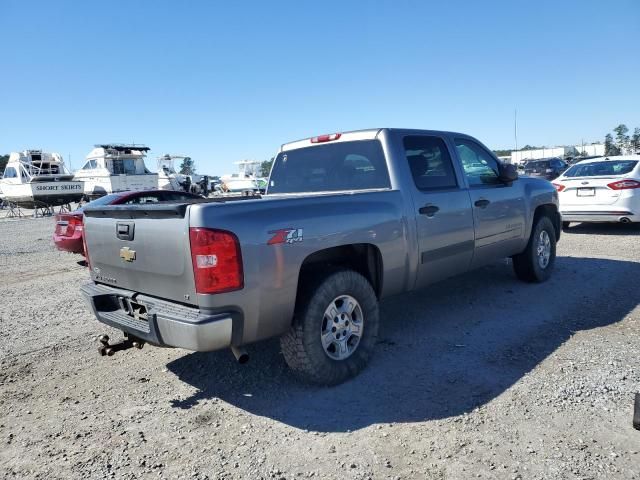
x: 482, y: 203
x: 429, y: 210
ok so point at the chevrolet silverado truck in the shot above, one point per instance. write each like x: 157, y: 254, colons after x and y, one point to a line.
x: 347, y: 220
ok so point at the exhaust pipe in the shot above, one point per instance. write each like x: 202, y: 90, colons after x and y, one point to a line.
x: 240, y: 353
x: 625, y: 220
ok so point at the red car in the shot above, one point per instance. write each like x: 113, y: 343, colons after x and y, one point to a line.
x: 69, y: 226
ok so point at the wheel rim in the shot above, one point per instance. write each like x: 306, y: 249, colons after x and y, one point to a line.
x: 544, y: 249
x: 342, y: 327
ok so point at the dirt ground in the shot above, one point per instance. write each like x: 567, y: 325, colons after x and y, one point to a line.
x: 477, y: 377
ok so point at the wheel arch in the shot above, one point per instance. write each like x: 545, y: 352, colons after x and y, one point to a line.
x: 364, y: 258
x: 549, y: 210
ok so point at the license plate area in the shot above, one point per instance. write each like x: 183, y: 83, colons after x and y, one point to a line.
x: 586, y: 192
x: 134, y: 309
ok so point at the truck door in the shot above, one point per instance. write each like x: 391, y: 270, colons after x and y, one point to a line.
x: 444, y: 217
x: 498, y: 208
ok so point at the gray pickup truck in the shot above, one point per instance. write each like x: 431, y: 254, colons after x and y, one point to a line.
x: 347, y: 219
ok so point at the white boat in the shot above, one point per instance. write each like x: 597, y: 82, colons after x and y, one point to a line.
x: 116, y: 168
x: 168, y: 178
x: 37, y: 179
x: 246, y: 180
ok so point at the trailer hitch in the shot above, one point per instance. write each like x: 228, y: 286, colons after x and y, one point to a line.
x: 106, y: 349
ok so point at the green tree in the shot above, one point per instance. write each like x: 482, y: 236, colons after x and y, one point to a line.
x: 609, y: 147
x: 635, y: 141
x: 622, y: 139
x: 187, y: 167
x: 3, y: 162
x: 502, y: 153
x: 265, y: 168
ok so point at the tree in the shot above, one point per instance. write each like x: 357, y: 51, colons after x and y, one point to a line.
x: 502, y: 153
x: 609, y: 148
x: 187, y: 167
x: 265, y: 168
x: 622, y: 139
x: 3, y: 162
x: 635, y: 141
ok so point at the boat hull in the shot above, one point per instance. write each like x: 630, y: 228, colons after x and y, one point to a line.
x: 99, y: 185
x: 43, y: 194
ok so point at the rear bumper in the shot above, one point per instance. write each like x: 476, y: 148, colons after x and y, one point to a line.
x: 615, y: 216
x: 165, y: 324
x: 69, y: 244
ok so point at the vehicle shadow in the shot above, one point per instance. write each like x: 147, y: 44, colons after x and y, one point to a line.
x: 604, y: 229
x: 442, y: 352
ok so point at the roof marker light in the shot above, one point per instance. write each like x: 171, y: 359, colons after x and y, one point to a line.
x: 326, y: 138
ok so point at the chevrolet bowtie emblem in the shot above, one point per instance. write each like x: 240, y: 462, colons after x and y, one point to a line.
x: 127, y: 254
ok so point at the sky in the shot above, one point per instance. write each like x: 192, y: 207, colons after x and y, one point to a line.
x: 227, y: 81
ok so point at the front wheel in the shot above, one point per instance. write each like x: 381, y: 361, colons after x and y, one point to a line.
x: 536, y: 262
x: 335, y: 329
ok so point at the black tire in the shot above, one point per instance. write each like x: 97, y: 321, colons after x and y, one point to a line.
x: 302, y: 345
x: 565, y: 226
x: 527, y: 265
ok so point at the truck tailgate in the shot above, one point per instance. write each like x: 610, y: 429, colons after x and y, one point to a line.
x: 144, y: 249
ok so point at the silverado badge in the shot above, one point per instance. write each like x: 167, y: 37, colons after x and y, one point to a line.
x: 127, y: 254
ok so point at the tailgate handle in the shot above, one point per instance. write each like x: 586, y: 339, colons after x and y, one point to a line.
x: 124, y: 230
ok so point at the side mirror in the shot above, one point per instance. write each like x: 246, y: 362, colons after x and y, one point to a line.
x: 508, y: 173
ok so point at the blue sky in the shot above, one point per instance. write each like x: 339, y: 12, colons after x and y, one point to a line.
x: 225, y: 81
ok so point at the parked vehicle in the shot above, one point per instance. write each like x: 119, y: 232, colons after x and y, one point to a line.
x: 601, y: 190
x: 547, y: 168
x: 37, y: 179
x: 347, y: 219
x: 70, y: 226
x: 112, y: 168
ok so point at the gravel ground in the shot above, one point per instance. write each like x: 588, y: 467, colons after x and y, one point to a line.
x: 478, y: 377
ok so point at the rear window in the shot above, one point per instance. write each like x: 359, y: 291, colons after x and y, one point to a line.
x: 597, y: 169
x: 532, y: 165
x: 357, y: 165
x: 106, y: 200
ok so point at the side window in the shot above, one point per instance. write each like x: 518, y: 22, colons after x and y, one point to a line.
x: 10, y: 172
x: 129, y: 165
x: 480, y: 167
x: 430, y: 162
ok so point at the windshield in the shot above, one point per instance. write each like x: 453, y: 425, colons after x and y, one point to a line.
x: 605, y: 168
x: 357, y: 165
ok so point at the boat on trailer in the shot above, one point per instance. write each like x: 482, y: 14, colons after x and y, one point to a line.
x: 36, y: 179
x: 168, y: 177
x: 116, y: 167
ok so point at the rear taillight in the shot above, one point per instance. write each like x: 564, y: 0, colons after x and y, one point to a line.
x: 559, y: 186
x: 624, y: 184
x: 75, y: 223
x: 326, y: 138
x: 216, y: 259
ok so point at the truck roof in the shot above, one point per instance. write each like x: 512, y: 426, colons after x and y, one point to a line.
x: 366, y: 134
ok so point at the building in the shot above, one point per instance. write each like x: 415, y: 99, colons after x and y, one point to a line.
x: 570, y: 151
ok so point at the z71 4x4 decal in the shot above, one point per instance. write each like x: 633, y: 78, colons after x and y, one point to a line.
x: 286, y: 235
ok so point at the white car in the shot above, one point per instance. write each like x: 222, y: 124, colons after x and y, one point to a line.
x: 601, y: 190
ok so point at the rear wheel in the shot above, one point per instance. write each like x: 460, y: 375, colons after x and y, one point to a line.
x: 335, y: 329
x: 536, y: 262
